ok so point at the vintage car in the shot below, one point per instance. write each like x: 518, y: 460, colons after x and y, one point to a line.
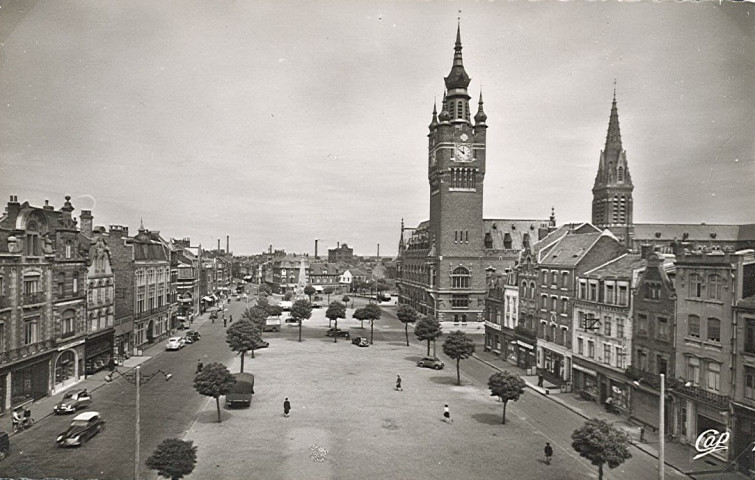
x: 360, y: 341
x: 339, y: 333
x: 192, y: 335
x: 73, y: 400
x: 431, y: 362
x: 83, y: 427
x: 175, y: 343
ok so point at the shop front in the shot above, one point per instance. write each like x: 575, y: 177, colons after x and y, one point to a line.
x: 585, y: 381
x: 552, y: 366
x: 30, y: 380
x: 525, y: 355
x: 99, y: 351
x: 744, y: 435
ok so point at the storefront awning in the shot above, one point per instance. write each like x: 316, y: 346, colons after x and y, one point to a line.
x: 184, y: 300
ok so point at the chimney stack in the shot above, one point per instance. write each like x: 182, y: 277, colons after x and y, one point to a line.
x: 227, y: 244
x: 86, y: 223
x: 316, y: 240
x: 218, y: 244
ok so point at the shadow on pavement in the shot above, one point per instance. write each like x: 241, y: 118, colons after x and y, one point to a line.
x: 211, y: 416
x: 397, y: 344
x: 487, y: 418
x: 412, y: 358
x: 444, y: 380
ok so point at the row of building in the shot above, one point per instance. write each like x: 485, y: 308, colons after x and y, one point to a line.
x: 601, y: 308
x: 74, y: 297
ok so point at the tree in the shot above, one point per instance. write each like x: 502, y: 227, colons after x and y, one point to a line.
x: 335, y: 311
x: 346, y: 299
x: 265, y: 290
x: 507, y: 386
x: 242, y: 337
x: 309, y: 290
x: 407, y: 315
x: 256, y: 315
x: 288, y: 296
x: 301, y: 310
x: 459, y: 347
x: 328, y: 291
x: 428, y: 329
x: 274, y: 310
x: 214, y: 381
x: 361, y: 315
x: 173, y: 458
x: 601, y: 443
x: 372, y: 313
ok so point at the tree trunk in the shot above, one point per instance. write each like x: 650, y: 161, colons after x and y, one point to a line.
x: 361, y: 324
x: 428, y: 347
x: 217, y: 402
x: 372, y: 325
x: 406, y: 331
x: 252, y: 353
x: 335, y: 333
x: 434, y: 348
x: 504, y: 414
x: 242, y: 361
x: 600, y: 472
x: 300, y: 329
x: 458, y: 373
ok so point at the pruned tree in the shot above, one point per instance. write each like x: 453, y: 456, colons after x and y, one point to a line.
x: 601, y: 443
x: 288, y: 296
x: 335, y: 311
x: 361, y: 315
x: 214, y: 381
x: 256, y: 315
x: 309, y: 290
x: 301, y: 310
x: 274, y: 310
x: 173, y: 458
x: 346, y: 299
x: 265, y: 290
x: 328, y: 291
x: 243, y: 336
x: 507, y: 386
x: 428, y: 328
x: 459, y: 347
x: 406, y: 315
x: 372, y: 313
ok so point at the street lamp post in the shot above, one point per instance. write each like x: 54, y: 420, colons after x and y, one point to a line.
x: 137, y: 379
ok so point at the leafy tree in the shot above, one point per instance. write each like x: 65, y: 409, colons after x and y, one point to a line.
x: 335, y: 311
x: 328, y: 291
x: 265, y: 290
x: 256, y: 315
x: 459, y: 347
x: 346, y: 299
x: 428, y: 329
x: 301, y: 310
x: 309, y: 290
x: 601, y: 443
x: 382, y: 285
x: 274, y: 310
x: 263, y: 302
x: 407, y: 315
x: 288, y: 296
x: 173, y: 458
x: 361, y: 315
x: 507, y: 386
x: 214, y: 381
x: 372, y: 313
x: 242, y: 337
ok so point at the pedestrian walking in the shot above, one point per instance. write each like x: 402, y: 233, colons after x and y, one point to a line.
x: 539, y: 379
x: 225, y: 322
x: 286, y: 407
x: 447, y: 414
x: 548, y: 452
x: 231, y: 319
x: 200, y: 366
x: 398, y: 383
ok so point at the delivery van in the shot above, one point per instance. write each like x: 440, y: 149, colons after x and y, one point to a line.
x: 243, y: 389
x: 272, y: 324
x: 285, y: 305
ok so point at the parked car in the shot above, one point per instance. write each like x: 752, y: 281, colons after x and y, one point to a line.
x: 316, y: 305
x: 339, y: 333
x: 193, y: 335
x: 242, y: 392
x: 431, y: 362
x: 175, y: 343
x: 360, y: 341
x: 73, y: 400
x: 262, y: 345
x: 82, y: 428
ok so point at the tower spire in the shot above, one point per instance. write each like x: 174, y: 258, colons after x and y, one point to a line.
x: 480, y: 116
x: 434, y: 122
x: 613, y: 137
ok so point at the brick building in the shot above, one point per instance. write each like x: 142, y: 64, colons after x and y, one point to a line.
x: 342, y: 253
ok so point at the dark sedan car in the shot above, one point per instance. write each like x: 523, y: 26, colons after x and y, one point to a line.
x: 340, y: 333
x: 73, y: 400
x: 83, y: 427
x: 192, y: 335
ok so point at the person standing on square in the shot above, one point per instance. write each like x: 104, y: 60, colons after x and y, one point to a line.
x: 286, y: 407
x: 447, y: 414
x: 398, y: 383
x: 548, y: 452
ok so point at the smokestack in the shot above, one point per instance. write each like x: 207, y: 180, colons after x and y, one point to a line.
x: 316, y: 240
x: 218, y: 244
x: 227, y: 244
x: 378, y: 252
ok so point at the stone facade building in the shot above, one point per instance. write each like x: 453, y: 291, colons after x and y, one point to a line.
x: 100, y: 300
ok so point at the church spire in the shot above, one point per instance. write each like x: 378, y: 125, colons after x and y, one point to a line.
x: 434, y: 122
x: 480, y: 117
x: 457, y: 78
x: 613, y: 137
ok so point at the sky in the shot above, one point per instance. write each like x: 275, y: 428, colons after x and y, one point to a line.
x: 280, y: 122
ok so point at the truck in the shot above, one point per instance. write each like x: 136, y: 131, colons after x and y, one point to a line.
x: 243, y: 389
x: 272, y: 324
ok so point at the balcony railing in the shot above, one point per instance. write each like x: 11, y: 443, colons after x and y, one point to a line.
x: 147, y: 313
x: 651, y: 379
x: 696, y: 393
x: 26, y: 351
x: 32, y: 298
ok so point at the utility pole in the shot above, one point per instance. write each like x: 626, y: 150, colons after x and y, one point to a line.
x: 662, y: 429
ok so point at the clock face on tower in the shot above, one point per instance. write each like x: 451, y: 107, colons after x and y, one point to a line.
x: 463, y: 153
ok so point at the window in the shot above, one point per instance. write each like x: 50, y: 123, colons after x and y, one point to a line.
x: 662, y: 327
x: 544, y: 278
x: 68, y: 249
x: 554, y: 279
x: 693, y: 370
x: 460, y: 278
x: 750, y: 335
x: 652, y: 290
x: 582, y: 290
x: 607, y: 354
x: 459, y: 301
x: 580, y: 346
x: 564, y: 306
x: 661, y: 365
x: 564, y: 279
x: 61, y: 285
x: 554, y: 304
x: 75, y: 283
x: 714, y: 287
x: 607, y: 326
x: 619, y: 327
x: 593, y: 292
x: 532, y: 290
x: 67, y: 324
x: 620, y: 357
x: 622, y: 295
x: 544, y: 302
x: 591, y: 349
x: 695, y: 285
x: 30, y: 331
x: 610, y: 293
x: 524, y: 290
x: 642, y: 360
x: 693, y: 326
x: 714, y: 330
x: 750, y: 382
x: 642, y: 323
x: 714, y: 376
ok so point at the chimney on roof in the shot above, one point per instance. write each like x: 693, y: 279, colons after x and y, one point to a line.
x: 316, y: 240
x: 86, y: 223
x: 227, y: 244
x: 13, y: 207
x: 218, y: 244
x: 47, y: 206
x: 378, y: 251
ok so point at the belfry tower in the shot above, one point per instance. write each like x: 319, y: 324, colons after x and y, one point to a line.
x: 612, y: 193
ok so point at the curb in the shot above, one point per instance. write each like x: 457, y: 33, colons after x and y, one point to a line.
x: 579, y: 412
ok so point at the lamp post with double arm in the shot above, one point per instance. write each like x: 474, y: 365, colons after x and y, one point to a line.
x: 138, y: 380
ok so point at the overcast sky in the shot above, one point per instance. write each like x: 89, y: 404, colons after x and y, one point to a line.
x: 278, y: 122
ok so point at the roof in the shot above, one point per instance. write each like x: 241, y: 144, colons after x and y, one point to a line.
x: 569, y: 250
x: 695, y: 232
x: 86, y: 416
x: 509, y: 232
x: 622, y: 266
x: 560, y: 232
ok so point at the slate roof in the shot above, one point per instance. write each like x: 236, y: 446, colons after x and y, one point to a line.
x: 570, y: 250
x: 621, y: 267
x: 501, y: 230
x: 696, y: 232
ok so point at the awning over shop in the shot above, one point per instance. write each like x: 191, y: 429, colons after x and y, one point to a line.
x: 208, y: 299
x: 184, y: 300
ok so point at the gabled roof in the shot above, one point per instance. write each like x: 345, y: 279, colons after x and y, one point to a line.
x: 560, y: 232
x: 513, y: 232
x: 571, y: 249
x: 621, y: 267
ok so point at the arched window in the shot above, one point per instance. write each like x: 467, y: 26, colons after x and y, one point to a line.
x: 695, y: 285
x: 532, y: 290
x: 524, y: 289
x: 714, y: 330
x: 714, y: 286
x: 460, y: 278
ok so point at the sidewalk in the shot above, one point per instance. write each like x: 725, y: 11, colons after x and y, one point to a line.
x: 677, y: 456
x: 42, y: 408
